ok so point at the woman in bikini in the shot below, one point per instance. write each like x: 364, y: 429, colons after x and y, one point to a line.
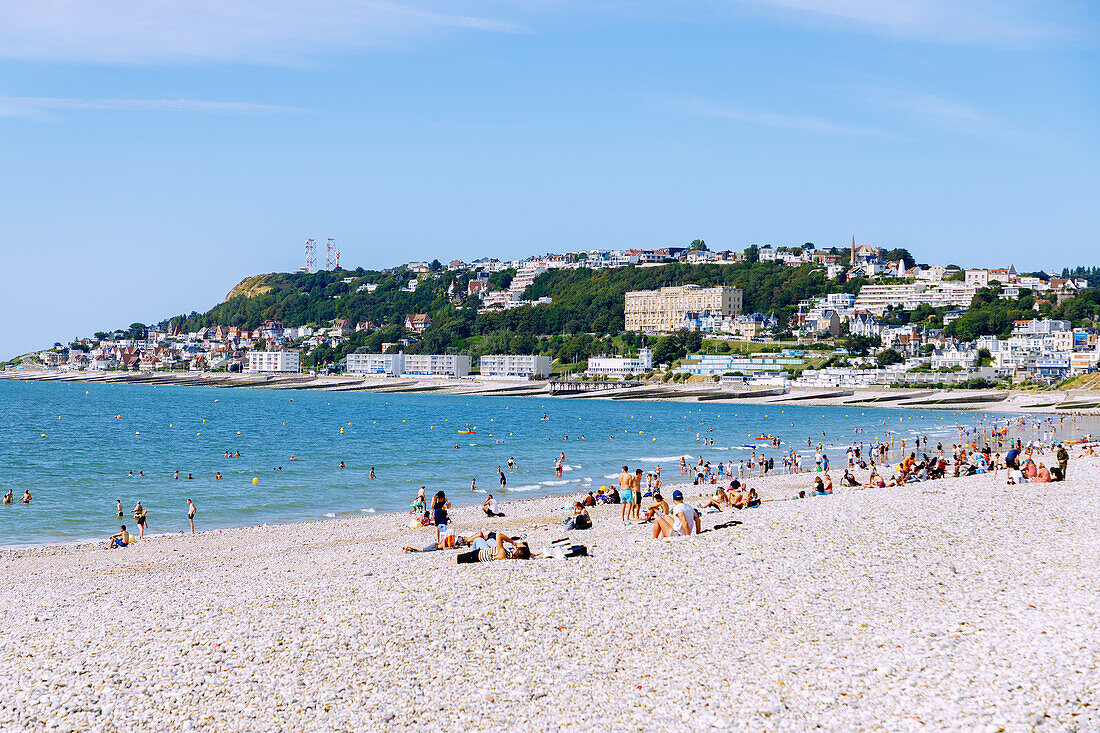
x: 140, y: 515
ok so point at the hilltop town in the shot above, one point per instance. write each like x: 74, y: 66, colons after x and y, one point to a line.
x: 796, y: 316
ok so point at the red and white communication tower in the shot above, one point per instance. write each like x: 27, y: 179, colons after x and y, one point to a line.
x: 332, y: 255
x: 311, y: 257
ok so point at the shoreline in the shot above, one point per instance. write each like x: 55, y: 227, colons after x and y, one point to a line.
x: 777, y: 487
x: 1084, y: 402
x: 950, y: 604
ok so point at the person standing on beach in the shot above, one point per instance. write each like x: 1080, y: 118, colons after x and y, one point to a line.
x: 636, y: 495
x: 1063, y: 461
x: 1012, y: 464
x: 625, y: 482
x: 191, y: 510
x: 140, y: 516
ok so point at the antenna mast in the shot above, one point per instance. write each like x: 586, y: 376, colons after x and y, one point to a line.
x: 332, y: 255
x: 311, y: 258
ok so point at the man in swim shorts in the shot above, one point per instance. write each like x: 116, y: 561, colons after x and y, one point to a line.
x: 625, y: 482
x: 119, y: 540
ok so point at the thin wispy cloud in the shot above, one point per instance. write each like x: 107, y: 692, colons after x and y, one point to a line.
x: 948, y: 115
x: 197, y: 31
x: 994, y: 21
x: 806, y: 123
x: 40, y: 107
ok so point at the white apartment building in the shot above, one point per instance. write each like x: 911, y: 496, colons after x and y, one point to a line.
x: 274, y: 361
x: 1039, y: 327
x: 618, y: 366
x: 524, y: 277
x: 953, y: 356
x: 663, y: 311
x: 514, y: 365
x: 387, y: 364
x: 877, y: 298
x: 437, y: 365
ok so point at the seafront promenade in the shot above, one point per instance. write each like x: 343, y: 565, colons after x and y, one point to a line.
x: 990, y: 400
x: 960, y: 604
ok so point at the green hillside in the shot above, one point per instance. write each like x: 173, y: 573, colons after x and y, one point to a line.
x: 585, y: 317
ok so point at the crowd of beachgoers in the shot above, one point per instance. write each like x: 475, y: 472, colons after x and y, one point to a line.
x: 722, y: 485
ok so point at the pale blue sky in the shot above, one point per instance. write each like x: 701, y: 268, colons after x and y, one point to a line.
x: 154, y: 153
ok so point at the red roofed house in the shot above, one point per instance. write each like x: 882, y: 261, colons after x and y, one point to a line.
x: 419, y: 322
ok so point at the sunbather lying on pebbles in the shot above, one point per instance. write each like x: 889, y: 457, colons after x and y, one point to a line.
x: 484, y: 551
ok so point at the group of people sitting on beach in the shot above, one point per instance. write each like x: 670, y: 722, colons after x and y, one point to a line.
x: 683, y: 519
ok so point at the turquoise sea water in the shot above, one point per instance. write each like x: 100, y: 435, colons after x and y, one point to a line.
x: 77, y: 471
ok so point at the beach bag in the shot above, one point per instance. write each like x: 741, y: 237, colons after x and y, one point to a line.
x: 568, y: 523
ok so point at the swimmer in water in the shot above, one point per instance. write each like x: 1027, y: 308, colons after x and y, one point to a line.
x: 141, y: 474
x: 372, y: 472
x: 176, y: 475
x: 473, y: 484
x: 131, y: 475
x: 119, y: 503
x: 342, y: 465
x: 190, y: 477
x: 26, y: 496
x: 218, y: 475
x: 9, y: 497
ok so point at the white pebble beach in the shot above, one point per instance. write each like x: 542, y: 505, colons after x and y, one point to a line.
x: 960, y: 604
